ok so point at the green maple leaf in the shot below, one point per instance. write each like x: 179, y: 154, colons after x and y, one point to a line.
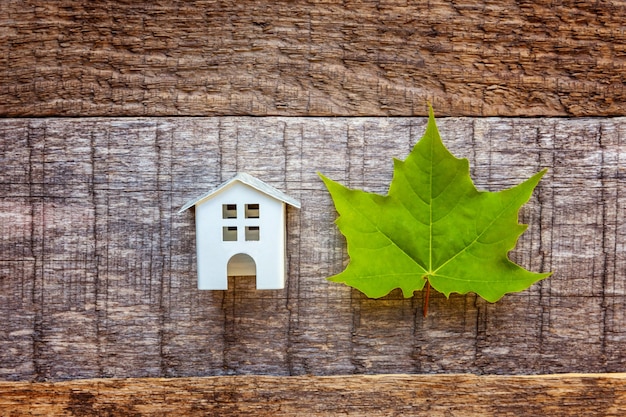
x: 434, y: 227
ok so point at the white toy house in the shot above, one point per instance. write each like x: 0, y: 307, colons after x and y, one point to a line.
x: 240, y: 230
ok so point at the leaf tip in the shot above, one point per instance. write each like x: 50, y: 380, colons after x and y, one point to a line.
x: 331, y: 186
x: 334, y: 279
x: 431, y: 112
x: 327, y: 181
x: 431, y: 126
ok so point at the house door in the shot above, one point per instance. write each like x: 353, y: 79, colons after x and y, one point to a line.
x: 241, y: 264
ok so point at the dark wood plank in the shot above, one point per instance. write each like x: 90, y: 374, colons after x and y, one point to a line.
x: 382, y: 395
x: 98, y: 271
x: 297, y: 58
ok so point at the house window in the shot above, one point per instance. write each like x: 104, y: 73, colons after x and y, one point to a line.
x: 229, y: 211
x: 252, y: 233
x: 252, y: 211
x: 229, y: 233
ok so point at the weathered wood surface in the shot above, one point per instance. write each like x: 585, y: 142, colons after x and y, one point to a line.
x: 98, y: 271
x: 381, y: 395
x: 297, y: 58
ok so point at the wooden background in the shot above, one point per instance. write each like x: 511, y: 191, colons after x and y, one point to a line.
x: 99, y: 271
x: 116, y: 113
x: 312, y: 58
x: 362, y: 395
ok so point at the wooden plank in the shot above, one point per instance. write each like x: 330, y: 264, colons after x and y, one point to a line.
x: 298, y: 58
x: 98, y: 271
x: 381, y: 395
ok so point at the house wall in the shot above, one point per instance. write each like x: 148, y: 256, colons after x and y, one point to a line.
x: 213, y: 254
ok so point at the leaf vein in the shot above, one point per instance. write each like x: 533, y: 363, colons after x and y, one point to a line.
x: 476, y: 239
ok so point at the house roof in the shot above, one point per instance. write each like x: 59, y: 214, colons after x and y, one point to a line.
x: 250, y: 181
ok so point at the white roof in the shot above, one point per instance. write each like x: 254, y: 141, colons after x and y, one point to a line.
x: 251, y: 181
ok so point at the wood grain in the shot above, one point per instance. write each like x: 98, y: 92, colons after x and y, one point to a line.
x: 98, y: 271
x: 381, y: 395
x: 301, y: 58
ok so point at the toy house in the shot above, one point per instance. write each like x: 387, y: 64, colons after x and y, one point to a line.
x: 240, y: 230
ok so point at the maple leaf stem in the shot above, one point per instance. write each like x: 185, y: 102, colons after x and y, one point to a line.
x: 426, y: 298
